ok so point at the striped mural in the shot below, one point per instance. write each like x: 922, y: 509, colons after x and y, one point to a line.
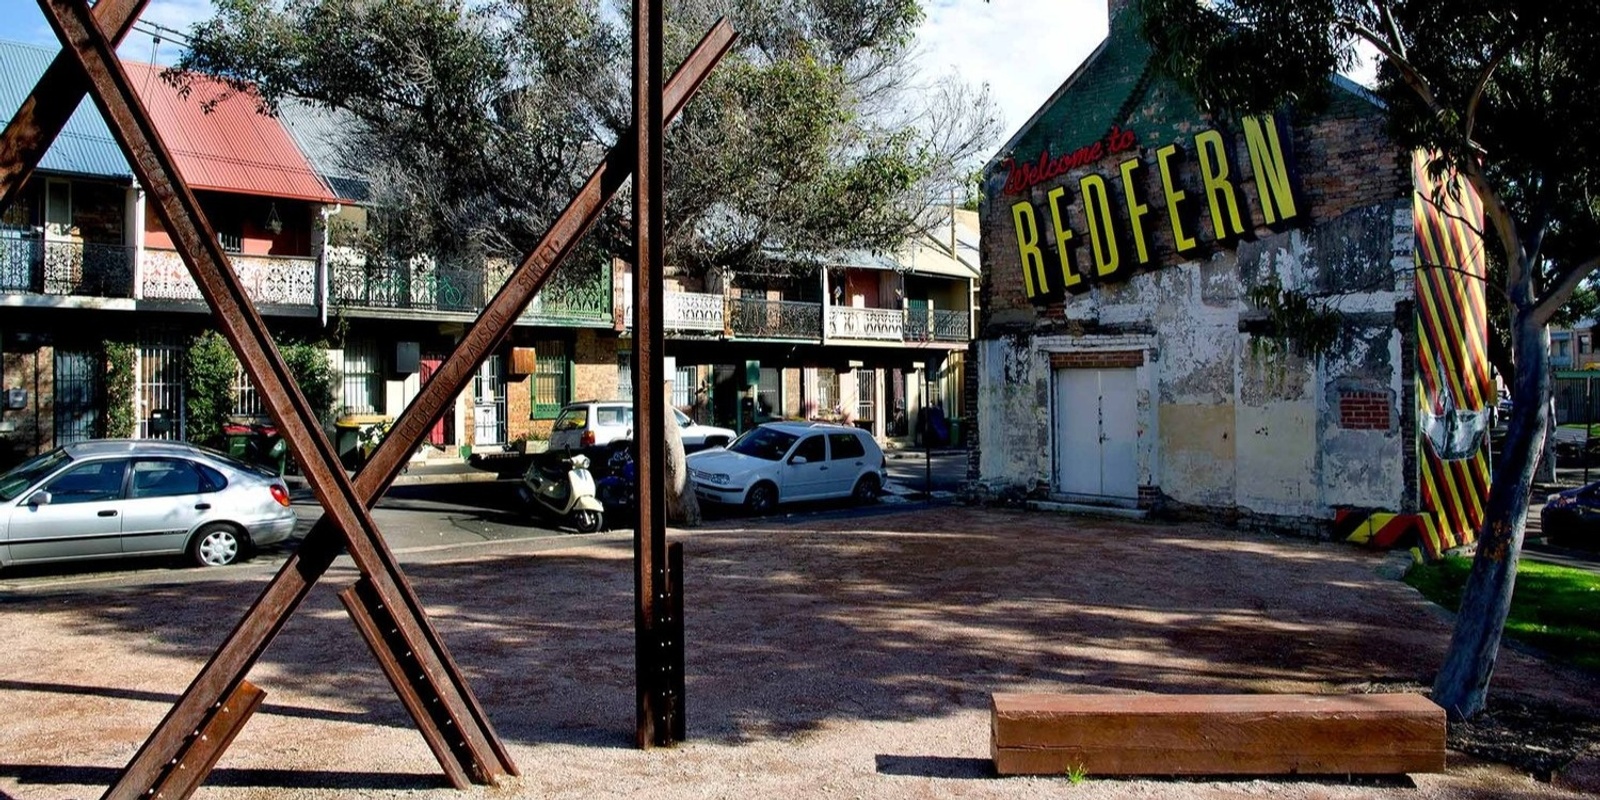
x: 1454, y: 392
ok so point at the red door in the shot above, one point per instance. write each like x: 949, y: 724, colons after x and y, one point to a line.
x: 429, y: 365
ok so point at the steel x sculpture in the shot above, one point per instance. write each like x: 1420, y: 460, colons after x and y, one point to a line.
x: 179, y: 754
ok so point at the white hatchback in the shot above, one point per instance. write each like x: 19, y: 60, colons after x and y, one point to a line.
x: 780, y: 462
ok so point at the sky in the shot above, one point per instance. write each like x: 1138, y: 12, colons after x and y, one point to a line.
x: 1022, y: 49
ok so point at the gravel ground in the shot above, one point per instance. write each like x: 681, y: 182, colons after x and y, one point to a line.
x: 827, y: 658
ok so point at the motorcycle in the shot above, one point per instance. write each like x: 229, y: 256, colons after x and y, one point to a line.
x: 618, y: 489
x: 563, y: 488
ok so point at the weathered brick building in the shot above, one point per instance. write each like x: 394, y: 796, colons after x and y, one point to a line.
x: 1127, y: 352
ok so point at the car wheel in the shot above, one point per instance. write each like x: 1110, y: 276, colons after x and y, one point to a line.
x: 866, y: 490
x: 762, y: 499
x: 216, y: 545
x: 587, y: 521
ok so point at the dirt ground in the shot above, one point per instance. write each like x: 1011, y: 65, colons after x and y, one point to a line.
x: 840, y: 658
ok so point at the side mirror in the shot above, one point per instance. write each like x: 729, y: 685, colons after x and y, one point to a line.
x: 39, y: 498
x: 798, y: 460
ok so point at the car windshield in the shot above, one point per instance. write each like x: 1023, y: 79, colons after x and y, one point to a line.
x: 29, y: 472
x: 573, y: 419
x: 683, y: 419
x: 764, y: 443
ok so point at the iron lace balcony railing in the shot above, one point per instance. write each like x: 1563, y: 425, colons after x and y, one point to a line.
x: 579, y: 296
x: 879, y: 324
x: 269, y: 280
x: 40, y: 266
x: 760, y: 318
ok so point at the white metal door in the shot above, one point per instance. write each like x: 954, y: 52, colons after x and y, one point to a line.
x: 1119, y: 473
x: 1096, y: 429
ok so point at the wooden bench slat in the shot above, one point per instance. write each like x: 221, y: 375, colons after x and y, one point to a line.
x: 1217, y: 734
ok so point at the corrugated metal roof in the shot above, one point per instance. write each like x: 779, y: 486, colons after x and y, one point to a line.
x: 230, y: 148
x: 321, y: 134
x: 85, y: 146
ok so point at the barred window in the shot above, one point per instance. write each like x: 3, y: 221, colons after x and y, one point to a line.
x: 552, y: 384
x: 363, y: 379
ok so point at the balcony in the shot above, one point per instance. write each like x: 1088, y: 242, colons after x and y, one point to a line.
x: 63, y: 268
x: 760, y: 318
x: 268, y: 280
x: 878, y: 324
x: 572, y: 296
x: 687, y: 311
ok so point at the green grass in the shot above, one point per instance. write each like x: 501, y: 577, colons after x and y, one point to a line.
x: 1554, y: 609
x: 1594, y: 430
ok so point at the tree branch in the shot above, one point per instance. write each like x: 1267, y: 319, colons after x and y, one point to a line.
x: 1477, y: 95
x: 1558, y: 295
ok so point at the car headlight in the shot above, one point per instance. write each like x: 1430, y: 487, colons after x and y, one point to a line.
x: 717, y: 477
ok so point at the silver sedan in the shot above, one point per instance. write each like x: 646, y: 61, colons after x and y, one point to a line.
x: 114, y: 498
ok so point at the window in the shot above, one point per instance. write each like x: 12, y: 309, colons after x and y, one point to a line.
x: 684, y: 384
x: 624, y: 375
x: 164, y: 478
x: 362, y: 382
x: 1563, y: 348
x: 846, y: 446
x: 812, y: 449
x: 1583, y: 343
x: 246, y: 400
x: 94, y: 482
x: 231, y: 241
x: 552, y: 386
x: 769, y: 395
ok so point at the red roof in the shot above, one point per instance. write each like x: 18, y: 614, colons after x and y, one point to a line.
x: 232, y: 147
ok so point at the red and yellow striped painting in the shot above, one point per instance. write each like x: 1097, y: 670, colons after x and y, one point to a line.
x: 1454, y: 392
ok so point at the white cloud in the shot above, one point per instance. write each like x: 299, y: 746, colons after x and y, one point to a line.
x: 1023, y: 49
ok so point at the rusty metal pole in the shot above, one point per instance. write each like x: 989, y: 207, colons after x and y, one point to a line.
x: 653, y: 666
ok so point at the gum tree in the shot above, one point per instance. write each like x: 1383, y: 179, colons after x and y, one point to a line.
x: 1507, y: 94
x: 474, y: 121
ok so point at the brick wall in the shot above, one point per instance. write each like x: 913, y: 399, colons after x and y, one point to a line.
x: 1097, y: 359
x: 594, y: 373
x: 1365, y: 411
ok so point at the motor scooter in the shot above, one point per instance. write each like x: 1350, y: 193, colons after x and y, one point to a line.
x: 563, y: 488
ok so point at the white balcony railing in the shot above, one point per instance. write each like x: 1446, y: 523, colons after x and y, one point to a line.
x: 269, y: 280
x: 885, y: 324
x: 686, y: 311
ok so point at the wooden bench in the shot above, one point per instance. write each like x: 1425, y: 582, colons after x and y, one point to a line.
x: 1149, y: 734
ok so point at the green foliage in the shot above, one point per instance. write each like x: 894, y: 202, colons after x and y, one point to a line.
x: 314, y: 373
x: 1077, y: 775
x: 1508, y: 92
x: 1300, y: 324
x: 120, y: 420
x: 474, y: 123
x: 208, y: 386
x: 1555, y: 609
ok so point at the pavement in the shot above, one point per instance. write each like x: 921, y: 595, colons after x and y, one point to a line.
x: 827, y: 657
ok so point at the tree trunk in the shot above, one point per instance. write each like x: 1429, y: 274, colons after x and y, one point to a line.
x: 1462, y: 684
x: 683, y: 508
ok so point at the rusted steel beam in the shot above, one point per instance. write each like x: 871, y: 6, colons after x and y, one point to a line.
x: 377, y: 628
x: 654, y: 724
x: 180, y: 214
x: 245, y: 645
x: 210, y: 742
x: 45, y: 111
x: 672, y: 641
